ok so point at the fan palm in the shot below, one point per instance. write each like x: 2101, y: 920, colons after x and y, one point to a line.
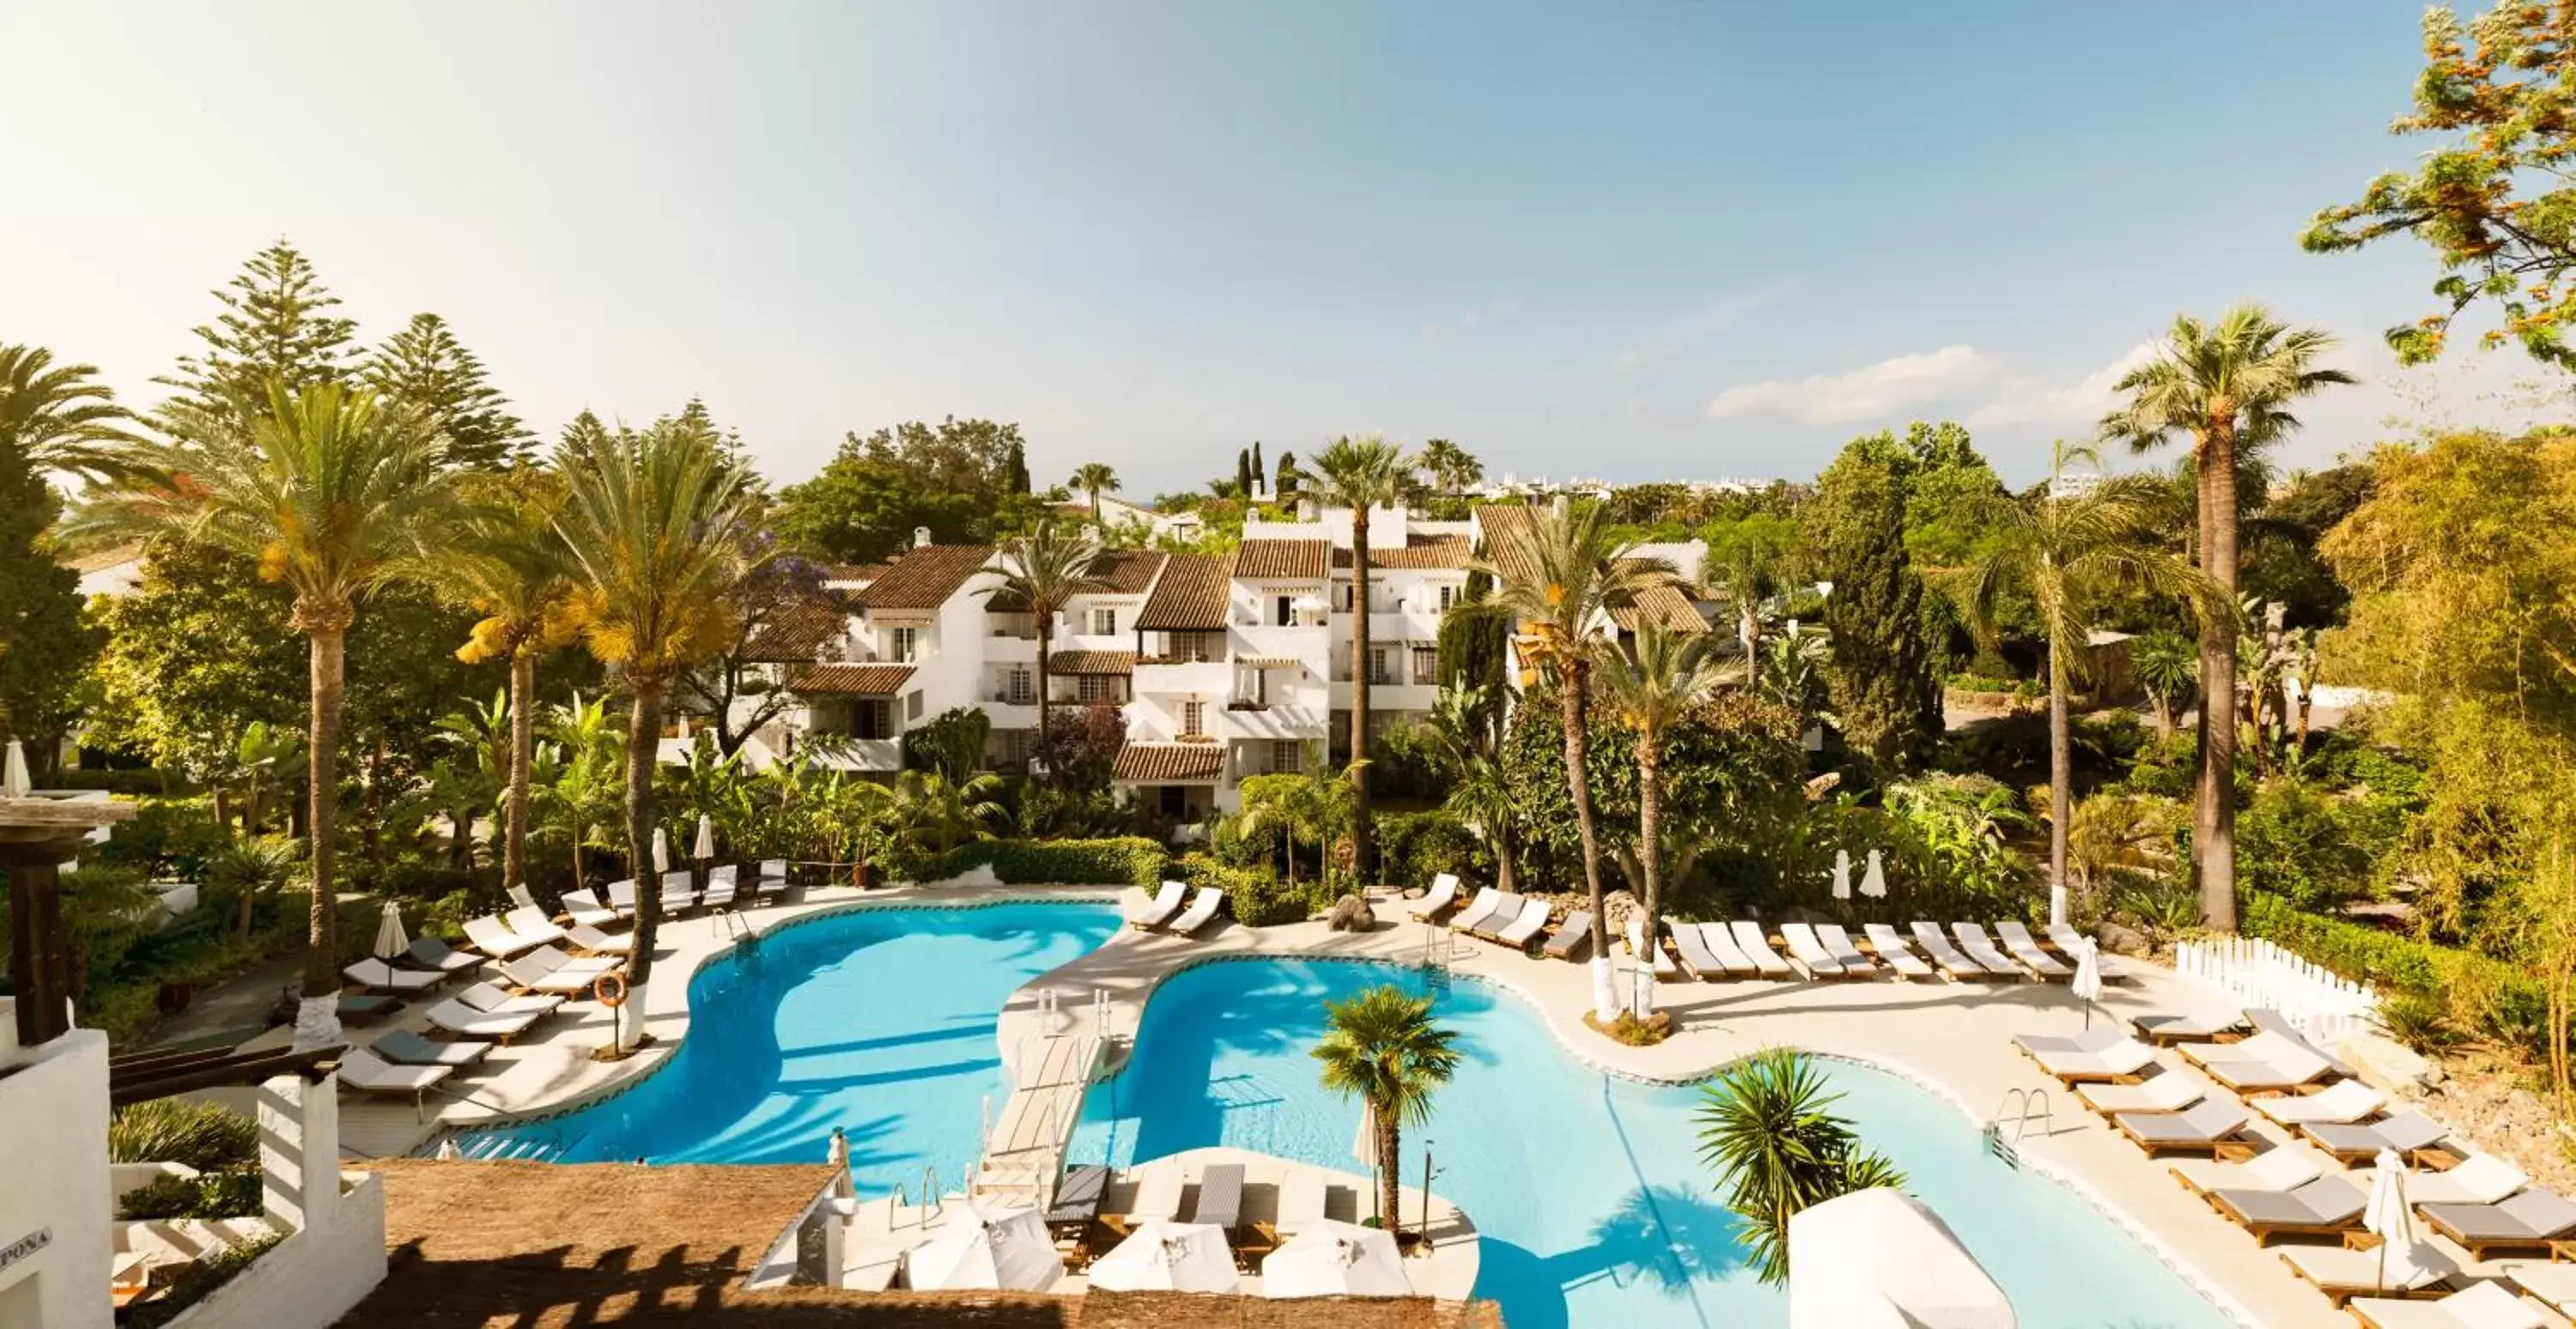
x: 1461, y: 729
x: 1382, y: 1047
x: 331, y: 493
x: 58, y: 417
x: 1451, y: 468
x: 2228, y: 386
x: 656, y: 524
x: 1670, y: 673
x: 1558, y: 577
x: 1360, y: 474
x: 1045, y: 569
x: 1094, y: 478
x: 2066, y: 550
x: 1767, y: 1128
x: 510, y: 566
x: 2167, y: 668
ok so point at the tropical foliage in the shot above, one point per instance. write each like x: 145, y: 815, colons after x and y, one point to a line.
x: 1767, y: 1128
x: 1382, y: 1047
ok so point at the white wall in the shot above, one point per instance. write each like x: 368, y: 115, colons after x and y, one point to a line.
x: 53, y: 1154
x: 313, y: 1277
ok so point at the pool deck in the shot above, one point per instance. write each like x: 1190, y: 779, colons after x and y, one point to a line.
x: 1953, y: 1038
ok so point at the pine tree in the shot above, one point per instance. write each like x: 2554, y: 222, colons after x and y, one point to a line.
x: 585, y: 433
x: 425, y: 367
x: 1881, y: 668
x: 277, y: 324
x: 1258, y: 473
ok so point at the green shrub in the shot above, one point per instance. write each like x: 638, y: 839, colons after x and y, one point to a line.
x: 2311, y: 847
x: 144, y: 780
x: 1414, y: 847
x: 908, y: 863
x: 2495, y: 998
x: 167, y: 838
x: 1256, y: 898
x: 200, y: 1282
x: 205, y: 1136
x: 234, y: 1194
x: 2419, y: 1020
x: 1129, y: 861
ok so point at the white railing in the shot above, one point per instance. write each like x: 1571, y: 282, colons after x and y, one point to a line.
x: 2261, y: 975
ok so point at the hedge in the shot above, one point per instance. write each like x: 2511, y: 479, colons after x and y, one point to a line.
x: 1414, y: 847
x: 1256, y: 898
x: 1130, y: 861
x: 2497, y: 998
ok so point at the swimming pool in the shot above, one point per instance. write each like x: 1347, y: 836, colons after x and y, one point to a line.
x: 880, y: 1021
x: 1587, y: 1189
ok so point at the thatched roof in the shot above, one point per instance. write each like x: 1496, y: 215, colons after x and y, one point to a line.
x: 550, y: 1246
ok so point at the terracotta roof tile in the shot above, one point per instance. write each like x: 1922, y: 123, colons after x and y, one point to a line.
x: 1167, y: 763
x: 795, y: 632
x: 1663, y: 604
x: 1420, y: 552
x: 924, y: 576
x: 1189, y: 596
x: 1505, y: 526
x: 1068, y: 663
x: 1288, y: 560
x: 851, y: 680
x: 1126, y: 571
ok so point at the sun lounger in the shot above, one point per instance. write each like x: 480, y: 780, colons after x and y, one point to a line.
x: 1895, y: 953
x: 1077, y: 1197
x: 456, y: 1017
x: 1474, y: 911
x: 2527, y: 1222
x: 435, y: 955
x: 679, y: 894
x: 2406, y: 1135
x: 1158, y: 1195
x: 720, y: 891
x: 585, y: 910
x: 1506, y: 911
x: 1691, y: 944
x: 491, y: 999
x: 2273, y: 1022
x: 773, y: 877
x: 494, y: 938
x: 2344, y: 1101
x: 1838, y: 944
x: 1443, y: 893
x: 1809, y: 954
x: 1571, y: 936
x: 2552, y: 1283
x: 2017, y: 940
x: 2165, y: 1030
x: 621, y: 897
x: 368, y: 1073
x: 2479, y: 1179
x: 549, y: 970
x: 378, y: 976
x: 2096, y: 1039
x: 2263, y: 1062
x: 2326, y: 1207
x: 2284, y: 1169
x: 1651, y: 954
x: 522, y: 897
x: 1748, y: 938
x: 2123, y: 1060
x: 2478, y: 1306
x: 1981, y: 949
x: 1302, y: 1197
x: 406, y: 1048
x: 2171, y: 1091
x: 2209, y: 1126
x: 1220, y: 1196
x: 1949, y: 958
x: 1720, y: 943
x: 1154, y: 910
x: 2343, y: 1274
x: 1526, y: 928
x: 1202, y: 911
x: 2066, y: 939
x: 591, y: 941
x: 532, y: 925
x: 367, y: 1005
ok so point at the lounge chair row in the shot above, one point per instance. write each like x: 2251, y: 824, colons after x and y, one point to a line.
x: 1742, y: 949
x: 1163, y: 912
x: 1506, y: 917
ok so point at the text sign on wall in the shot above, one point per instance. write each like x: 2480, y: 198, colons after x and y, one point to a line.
x: 26, y: 1246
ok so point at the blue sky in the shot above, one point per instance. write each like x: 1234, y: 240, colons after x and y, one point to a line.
x: 1643, y: 239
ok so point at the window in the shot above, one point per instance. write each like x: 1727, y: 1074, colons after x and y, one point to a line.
x: 1174, y: 801
x: 1092, y: 688
x: 1197, y: 646
x: 868, y: 719
x: 912, y: 706
x: 1381, y: 666
x: 1342, y: 597
x: 1104, y: 622
x: 1426, y: 664
x: 1022, y: 688
x: 1287, y: 610
x: 900, y: 642
x: 1193, y: 718
x: 1448, y: 597
x: 1287, y: 756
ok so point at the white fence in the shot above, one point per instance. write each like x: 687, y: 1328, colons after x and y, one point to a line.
x: 2263, y: 976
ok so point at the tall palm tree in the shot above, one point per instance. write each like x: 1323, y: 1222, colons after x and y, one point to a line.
x: 1451, y: 467
x: 333, y: 494
x: 657, y: 524
x: 1671, y: 673
x: 1382, y: 1048
x: 58, y: 417
x: 1767, y: 1126
x: 2067, y: 549
x: 2229, y: 387
x: 1747, y: 561
x: 1094, y: 478
x: 511, y: 566
x: 1046, y: 568
x: 1461, y: 728
x: 1360, y: 474
x: 1557, y: 578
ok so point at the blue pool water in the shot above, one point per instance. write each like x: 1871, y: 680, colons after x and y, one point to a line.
x: 1588, y: 1192
x: 879, y: 1021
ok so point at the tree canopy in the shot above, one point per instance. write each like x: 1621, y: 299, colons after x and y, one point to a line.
x: 965, y: 480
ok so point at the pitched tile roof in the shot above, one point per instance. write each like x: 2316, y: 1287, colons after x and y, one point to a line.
x: 1168, y: 763
x: 796, y: 631
x: 1419, y: 552
x: 851, y: 680
x: 924, y: 576
x: 1091, y: 662
x: 856, y: 573
x: 1504, y: 526
x: 1126, y: 571
x: 1664, y: 604
x: 1294, y: 560
x: 1189, y: 596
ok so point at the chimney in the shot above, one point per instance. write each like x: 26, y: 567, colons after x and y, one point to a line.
x: 1306, y: 509
x: 920, y: 536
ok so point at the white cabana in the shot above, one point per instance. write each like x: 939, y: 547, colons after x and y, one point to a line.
x: 390, y: 940
x: 1336, y: 1260
x: 1879, y: 1259
x: 1164, y: 1256
x: 987, y: 1248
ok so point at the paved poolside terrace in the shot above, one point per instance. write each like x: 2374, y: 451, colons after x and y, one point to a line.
x: 1952, y: 1038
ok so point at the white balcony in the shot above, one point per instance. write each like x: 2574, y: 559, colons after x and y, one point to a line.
x: 1089, y: 641
x: 1010, y: 650
x: 1308, y: 644
x: 1299, y: 722
x: 860, y: 754
x: 1390, y: 696
x: 1210, y: 680
x: 1010, y: 715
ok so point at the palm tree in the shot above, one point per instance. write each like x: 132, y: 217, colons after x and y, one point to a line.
x: 2065, y: 549
x: 58, y: 418
x: 1383, y: 1049
x: 1671, y: 673
x: 1461, y: 728
x: 1360, y: 474
x: 2167, y: 668
x: 1045, y: 569
x: 511, y: 567
x: 1558, y: 577
x: 1746, y: 562
x: 584, y: 795
x: 1765, y: 1126
x: 1451, y: 468
x: 2228, y: 386
x: 1095, y: 478
x: 332, y: 494
x: 657, y: 524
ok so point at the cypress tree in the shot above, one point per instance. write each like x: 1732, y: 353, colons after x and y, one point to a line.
x: 1019, y: 468
x: 425, y: 367
x: 1243, y: 473
x: 1880, y: 672
x: 276, y: 323
x: 1287, y: 482
x: 1258, y: 474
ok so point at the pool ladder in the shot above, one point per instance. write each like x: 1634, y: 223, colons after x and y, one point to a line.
x: 2034, y: 1103
x: 1435, y: 958
x: 931, y: 1200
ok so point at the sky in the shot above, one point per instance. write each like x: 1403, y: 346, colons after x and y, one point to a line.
x: 1636, y: 239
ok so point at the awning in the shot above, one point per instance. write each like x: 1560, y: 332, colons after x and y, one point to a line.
x: 851, y: 680
x: 1169, y: 763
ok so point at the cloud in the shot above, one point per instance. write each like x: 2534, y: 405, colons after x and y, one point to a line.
x: 1491, y: 312
x: 2082, y: 402
x: 1711, y: 320
x: 1867, y: 392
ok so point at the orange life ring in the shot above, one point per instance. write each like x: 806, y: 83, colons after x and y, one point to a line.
x: 609, y: 990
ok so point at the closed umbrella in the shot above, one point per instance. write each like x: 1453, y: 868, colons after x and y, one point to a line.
x: 661, y: 851
x: 1336, y: 1260
x: 1164, y: 1256
x: 1842, y: 874
x: 2087, y: 986
x: 390, y: 940
x: 2389, y: 1217
x: 705, y: 848
x: 14, y: 782
x: 1364, y: 1147
x: 997, y: 1248
x: 1881, y: 1259
x: 1873, y: 883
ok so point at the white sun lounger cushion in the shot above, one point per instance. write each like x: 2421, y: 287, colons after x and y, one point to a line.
x: 2342, y: 1101
x: 494, y: 938
x: 2126, y: 1057
x: 1838, y: 944
x: 621, y: 897
x: 454, y: 1016
x: 532, y: 924
x: 1303, y: 1195
x: 1950, y: 958
x: 374, y: 973
x: 2170, y: 1092
x: 1696, y: 957
x: 1151, y: 910
x: 1653, y: 955
x: 597, y: 942
x: 2286, y: 1168
x: 489, y: 997
x: 2017, y: 939
x: 364, y: 1070
x: 1443, y: 893
x: 1806, y: 950
x: 585, y: 910
x: 2479, y: 1179
x: 1981, y: 948
x: 1473, y: 913
x: 1757, y: 948
x: 2478, y: 1306
x: 1202, y: 911
x: 1895, y: 953
x: 1533, y: 917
